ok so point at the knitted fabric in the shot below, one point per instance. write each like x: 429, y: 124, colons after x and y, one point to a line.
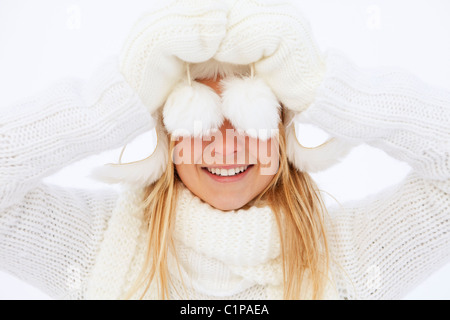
x: 221, y: 255
x: 382, y: 246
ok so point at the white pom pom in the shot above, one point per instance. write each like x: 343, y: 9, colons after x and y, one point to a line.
x: 250, y: 105
x: 192, y: 110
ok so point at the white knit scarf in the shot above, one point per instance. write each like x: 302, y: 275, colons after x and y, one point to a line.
x: 221, y: 254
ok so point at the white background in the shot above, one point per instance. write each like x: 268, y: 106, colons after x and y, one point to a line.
x: 42, y: 41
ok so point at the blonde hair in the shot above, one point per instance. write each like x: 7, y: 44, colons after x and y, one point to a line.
x: 296, y: 204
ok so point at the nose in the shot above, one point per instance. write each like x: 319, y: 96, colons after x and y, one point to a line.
x: 228, y: 143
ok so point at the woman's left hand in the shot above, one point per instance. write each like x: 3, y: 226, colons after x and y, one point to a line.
x: 280, y: 43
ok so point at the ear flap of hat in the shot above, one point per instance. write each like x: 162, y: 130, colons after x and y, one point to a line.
x: 250, y: 105
x: 313, y: 159
x: 141, y: 173
x: 192, y: 109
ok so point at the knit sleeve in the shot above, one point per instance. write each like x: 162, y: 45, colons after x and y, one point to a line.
x: 49, y: 234
x: 387, y: 244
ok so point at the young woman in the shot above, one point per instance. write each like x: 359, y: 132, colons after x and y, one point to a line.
x: 224, y: 208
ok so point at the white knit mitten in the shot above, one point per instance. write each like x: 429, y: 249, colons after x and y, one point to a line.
x: 279, y: 40
x: 162, y: 41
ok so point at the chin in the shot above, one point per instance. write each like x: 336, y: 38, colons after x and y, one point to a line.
x: 228, y: 204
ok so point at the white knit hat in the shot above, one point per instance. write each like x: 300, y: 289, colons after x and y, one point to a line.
x: 265, y: 57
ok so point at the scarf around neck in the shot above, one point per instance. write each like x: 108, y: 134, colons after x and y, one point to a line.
x: 219, y: 254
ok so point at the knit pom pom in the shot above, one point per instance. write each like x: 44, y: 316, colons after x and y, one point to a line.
x: 138, y: 173
x: 251, y: 106
x: 192, y: 110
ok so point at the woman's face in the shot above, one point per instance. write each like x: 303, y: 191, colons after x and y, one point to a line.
x: 228, y: 168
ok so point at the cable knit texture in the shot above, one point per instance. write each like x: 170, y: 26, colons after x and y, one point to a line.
x: 69, y: 242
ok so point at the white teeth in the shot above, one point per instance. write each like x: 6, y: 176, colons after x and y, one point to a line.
x: 227, y: 172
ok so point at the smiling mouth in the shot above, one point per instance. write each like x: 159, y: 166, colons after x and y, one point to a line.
x: 227, y: 172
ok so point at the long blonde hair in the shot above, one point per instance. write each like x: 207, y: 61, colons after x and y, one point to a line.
x: 296, y: 204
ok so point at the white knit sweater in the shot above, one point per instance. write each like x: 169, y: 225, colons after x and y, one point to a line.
x: 77, y: 244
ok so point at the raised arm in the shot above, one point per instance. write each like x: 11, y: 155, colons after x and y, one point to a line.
x: 49, y: 235
x: 390, y: 242
x: 68, y: 122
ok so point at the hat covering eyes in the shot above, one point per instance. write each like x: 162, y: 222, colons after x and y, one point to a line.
x: 252, y: 48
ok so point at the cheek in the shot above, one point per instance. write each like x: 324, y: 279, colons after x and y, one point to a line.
x: 267, y: 155
x: 188, y: 175
x: 188, y: 150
